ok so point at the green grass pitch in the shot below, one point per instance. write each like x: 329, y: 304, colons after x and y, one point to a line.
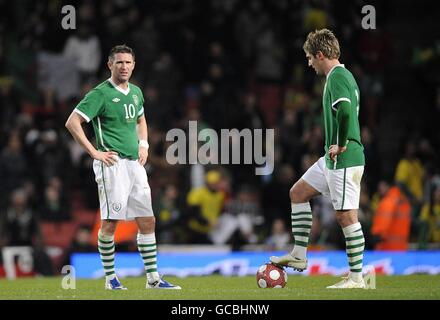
x: 223, y: 288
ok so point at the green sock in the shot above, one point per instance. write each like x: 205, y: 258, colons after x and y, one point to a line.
x: 355, y: 243
x: 106, y: 248
x: 147, y: 249
x: 301, y: 225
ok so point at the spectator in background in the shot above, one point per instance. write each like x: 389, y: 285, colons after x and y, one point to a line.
x: 81, y: 243
x: 204, y: 208
x: 168, y: 216
x: 197, y: 171
x: 165, y: 77
x: 20, y: 227
x: 236, y: 224
x: 87, y: 181
x: 84, y: 48
x: 57, y: 77
x: 54, y: 208
x: 13, y: 164
x: 329, y: 232
x: 366, y: 215
x: 409, y: 176
x: 269, y: 55
x: 248, y: 26
x: 392, y: 219
x: 52, y: 157
x: 158, y: 115
x: 9, y: 102
x: 274, y: 194
x: 145, y: 39
x: 371, y: 158
x: 290, y: 137
x: 250, y: 115
x: 279, y: 237
x: 430, y: 218
x: 316, y: 16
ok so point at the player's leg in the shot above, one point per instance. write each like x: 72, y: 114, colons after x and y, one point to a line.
x: 146, y: 242
x: 139, y: 207
x: 147, y: 247
x: 345, y: 192
x: 106, y: 248
x: 300, y: 195
x: 301, y: 216
x: 112, y: 198
x: 354, y: 240
x: 311, y: 184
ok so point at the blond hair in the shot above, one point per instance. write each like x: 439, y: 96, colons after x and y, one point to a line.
x: 322, y: 40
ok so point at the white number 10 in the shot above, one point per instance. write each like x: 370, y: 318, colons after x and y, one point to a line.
x: 357, y: 98
x: 129, y: 111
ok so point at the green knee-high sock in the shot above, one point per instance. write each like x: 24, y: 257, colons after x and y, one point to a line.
x: 301, y: 225
x: 106, y: 248
x: 147, y: 249
x: 355, y: 243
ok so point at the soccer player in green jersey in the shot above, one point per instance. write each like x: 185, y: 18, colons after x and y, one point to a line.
x: 338, y: 173
x: 115, y: 108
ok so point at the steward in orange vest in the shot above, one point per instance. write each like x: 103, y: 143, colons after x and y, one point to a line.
x: 392, y: 221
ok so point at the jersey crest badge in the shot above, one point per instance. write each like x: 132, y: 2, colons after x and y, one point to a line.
x: 116, y: 206
x: 136, y: 99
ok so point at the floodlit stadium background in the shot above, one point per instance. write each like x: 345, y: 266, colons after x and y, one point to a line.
x: 225, y: 64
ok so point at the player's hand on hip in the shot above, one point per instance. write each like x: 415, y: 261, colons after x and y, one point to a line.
x: 143, y: 155
x: 108, y: 157
x: 335, y: 150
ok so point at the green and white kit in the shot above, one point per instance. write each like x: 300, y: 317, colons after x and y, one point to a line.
x: 124, y: 192
x: 341, y: 179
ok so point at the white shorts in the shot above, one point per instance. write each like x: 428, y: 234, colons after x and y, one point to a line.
x: 124, y: 192
x: 342, y: 186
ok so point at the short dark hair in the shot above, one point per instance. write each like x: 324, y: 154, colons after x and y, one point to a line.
x: 122, y: 48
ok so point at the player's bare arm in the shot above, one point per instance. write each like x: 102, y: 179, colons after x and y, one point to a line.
x: 74, y: 125
x: 142, y: 130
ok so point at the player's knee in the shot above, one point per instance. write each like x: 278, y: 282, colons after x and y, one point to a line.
x: 152, y: 223
x: 340, y: 219
x: 147, y: 225
x: 108, y: 229
x: 346, y: 218
x: 297, y: 195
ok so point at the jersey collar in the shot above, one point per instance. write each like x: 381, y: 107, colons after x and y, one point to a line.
x: 124, y: 92
x: 333, y: 68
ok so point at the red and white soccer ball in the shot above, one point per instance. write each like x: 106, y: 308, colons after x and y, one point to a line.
x: 271, y: 276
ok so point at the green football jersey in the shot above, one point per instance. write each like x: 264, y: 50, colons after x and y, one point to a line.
x: 341, y: 86
x: 114, y: 113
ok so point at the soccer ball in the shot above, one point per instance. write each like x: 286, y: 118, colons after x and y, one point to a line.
x: 271, y: 276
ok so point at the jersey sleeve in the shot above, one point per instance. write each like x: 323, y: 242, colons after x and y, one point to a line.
x: 91, y: 106
x: 339, y: 90
x: 141, y: 107
x: 343, y: 118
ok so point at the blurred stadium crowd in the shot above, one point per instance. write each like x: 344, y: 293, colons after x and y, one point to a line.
x: 223, y: 63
